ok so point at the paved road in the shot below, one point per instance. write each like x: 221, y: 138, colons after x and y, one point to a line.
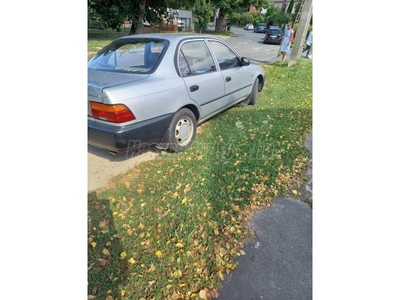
x: 250, y: 44
x: 278, y: 261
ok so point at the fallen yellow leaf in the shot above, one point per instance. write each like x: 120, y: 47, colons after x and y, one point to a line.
x: 106, y: 252
x: 122, y: 255
x: 177, y: 274
x: 184, y: 201
x: 158, y: 253
x: 179, y: 245
x: 131, y: 261
x: 93, y: 244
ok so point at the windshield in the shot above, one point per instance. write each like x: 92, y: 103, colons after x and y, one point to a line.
x: 274, y: 31
x: 129, y: 55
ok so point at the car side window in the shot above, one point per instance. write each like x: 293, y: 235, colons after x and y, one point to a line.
x: 183, y: 65
x: 195, y: 58
x: 227, y: 59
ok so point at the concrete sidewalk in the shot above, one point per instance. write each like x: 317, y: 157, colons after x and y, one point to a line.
x: 278, y: 261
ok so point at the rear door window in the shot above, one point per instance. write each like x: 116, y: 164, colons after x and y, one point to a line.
x: 195, y: 58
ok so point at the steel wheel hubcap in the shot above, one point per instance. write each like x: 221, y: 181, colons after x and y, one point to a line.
x: 184, y: 131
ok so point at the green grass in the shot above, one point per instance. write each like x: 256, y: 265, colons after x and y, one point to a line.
x: 174, y: 226
x: 95, y: 45
x: 308, y: 201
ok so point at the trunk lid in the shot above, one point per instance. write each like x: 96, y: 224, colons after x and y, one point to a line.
x: 100, y: 80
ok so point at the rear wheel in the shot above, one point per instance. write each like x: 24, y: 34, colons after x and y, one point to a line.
x: 252, y: 98
x: 182, y: 130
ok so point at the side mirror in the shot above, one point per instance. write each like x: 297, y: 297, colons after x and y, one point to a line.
x: 245, y: 61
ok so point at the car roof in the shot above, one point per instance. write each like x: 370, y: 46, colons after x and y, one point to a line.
x: 173, y: 38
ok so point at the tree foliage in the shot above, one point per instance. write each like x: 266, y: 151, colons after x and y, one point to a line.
x: 115, y: 12
x: 290, y: 7
x: 226, y: 7
x: 203, y: 11
x: 272, y: 17
x: 243, y: 18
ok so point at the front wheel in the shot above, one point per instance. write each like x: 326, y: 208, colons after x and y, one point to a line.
x: 182, y: 130
x: 252, y: 98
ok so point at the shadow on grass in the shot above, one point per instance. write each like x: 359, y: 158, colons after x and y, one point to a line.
x: 106, y: 271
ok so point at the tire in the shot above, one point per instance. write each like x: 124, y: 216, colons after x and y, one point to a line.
x: 253, y: 97
x: 182, y: 130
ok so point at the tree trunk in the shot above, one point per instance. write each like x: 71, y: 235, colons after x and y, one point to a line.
x: 283, y: 9
x: 133, y: 29
x: 219, y: 23
x: 138, y: 28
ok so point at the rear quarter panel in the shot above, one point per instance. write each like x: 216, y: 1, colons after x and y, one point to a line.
x: 152, y: 97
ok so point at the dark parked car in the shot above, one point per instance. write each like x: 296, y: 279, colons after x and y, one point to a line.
x: 154, y: 89
x: 261, y: 28
x: 273, y: 36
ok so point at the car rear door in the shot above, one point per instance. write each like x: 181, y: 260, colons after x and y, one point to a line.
x: 236, y: 78
x: 204, y: 83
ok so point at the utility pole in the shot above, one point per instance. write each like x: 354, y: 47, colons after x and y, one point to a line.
x: 304, y: 20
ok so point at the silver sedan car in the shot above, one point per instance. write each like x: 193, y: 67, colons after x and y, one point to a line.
x: 154, y: 89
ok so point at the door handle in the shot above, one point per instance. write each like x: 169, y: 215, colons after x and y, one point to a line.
x: 194, y: 88
x: 227, y: 79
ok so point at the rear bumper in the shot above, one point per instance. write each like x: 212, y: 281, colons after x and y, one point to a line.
x: 119, y: 139
x: 272, y: 41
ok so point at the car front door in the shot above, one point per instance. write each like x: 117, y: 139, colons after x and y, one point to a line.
x: 204, y: 83
x: 237, y: 79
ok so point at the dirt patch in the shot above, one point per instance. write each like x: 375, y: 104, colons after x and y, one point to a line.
x: 103, y: 166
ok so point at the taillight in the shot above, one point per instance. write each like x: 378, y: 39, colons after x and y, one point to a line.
x: 118, y: 113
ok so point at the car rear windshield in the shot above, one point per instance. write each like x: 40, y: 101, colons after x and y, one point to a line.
x: 129, y: 55
x: 274, y: 31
